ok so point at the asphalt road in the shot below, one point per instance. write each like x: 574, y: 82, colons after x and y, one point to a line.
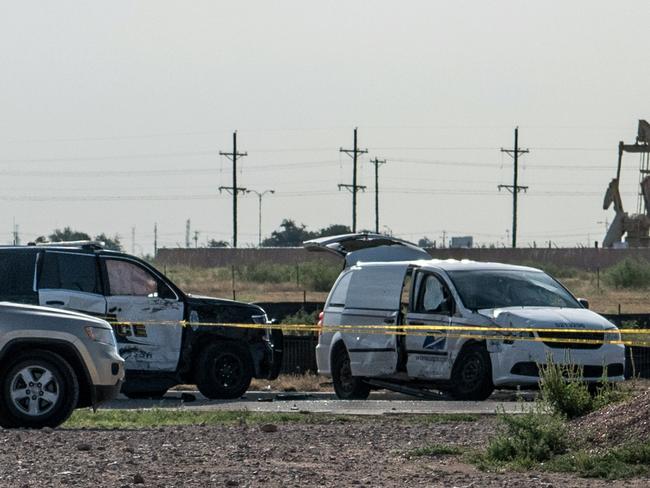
x: 316, y: 402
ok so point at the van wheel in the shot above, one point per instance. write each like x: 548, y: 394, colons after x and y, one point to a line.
x: 471, y: 377
x: 346, y: 386
x: 39, y: 389
x: 225, y: 370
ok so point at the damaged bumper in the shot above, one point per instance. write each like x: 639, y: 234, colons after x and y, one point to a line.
x: 518, y: 363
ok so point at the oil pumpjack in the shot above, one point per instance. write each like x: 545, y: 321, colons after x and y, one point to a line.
x: 636, y: 226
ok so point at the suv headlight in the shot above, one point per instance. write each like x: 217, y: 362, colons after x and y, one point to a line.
x: 101, y: 335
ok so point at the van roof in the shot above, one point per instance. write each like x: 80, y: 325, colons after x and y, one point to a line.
x: 453, y: 265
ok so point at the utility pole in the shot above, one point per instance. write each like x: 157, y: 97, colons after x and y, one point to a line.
x: 155, y: 240
x: 353, y: 188
x: 16, y: 234
x: 515, y: 188
x: 196, y: 239
x: 234, y: 189
x: 187, y: 233
x: 377, y: 163
x: 259, y: 218
x: 132, y: 240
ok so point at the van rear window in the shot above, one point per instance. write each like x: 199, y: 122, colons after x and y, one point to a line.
x: 340, y: 291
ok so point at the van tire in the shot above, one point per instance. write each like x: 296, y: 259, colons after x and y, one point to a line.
x: 225, y: 370
x: 471, y: 376
x: 346, y: 386
x: 48, y: 404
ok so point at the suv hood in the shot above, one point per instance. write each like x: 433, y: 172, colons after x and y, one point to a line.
x: 9, y: 308
x: 547, y: 318
x: 367, y: 247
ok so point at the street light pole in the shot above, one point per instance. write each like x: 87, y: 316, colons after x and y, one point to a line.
x: 259, y: 220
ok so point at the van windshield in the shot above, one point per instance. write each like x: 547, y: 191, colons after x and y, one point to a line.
x: 485, y: 289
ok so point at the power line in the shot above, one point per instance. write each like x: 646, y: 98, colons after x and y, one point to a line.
x: 353, y: 187
x: 234, y: 189
x: 515, y: 188
x: 377, y: 163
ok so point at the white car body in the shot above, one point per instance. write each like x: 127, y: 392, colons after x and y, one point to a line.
x: 374, y: 293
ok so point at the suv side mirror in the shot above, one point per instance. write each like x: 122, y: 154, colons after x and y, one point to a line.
x: 584, y: 302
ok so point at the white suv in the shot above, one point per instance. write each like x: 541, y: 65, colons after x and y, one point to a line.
x: 388, y: 281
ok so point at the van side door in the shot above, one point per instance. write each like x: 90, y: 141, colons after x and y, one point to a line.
x: 373, y: 298
x: 71, y: 280
x: 428, y: 356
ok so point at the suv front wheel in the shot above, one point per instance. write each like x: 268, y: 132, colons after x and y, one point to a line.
x: 225, y: 370
x: 39, y: 389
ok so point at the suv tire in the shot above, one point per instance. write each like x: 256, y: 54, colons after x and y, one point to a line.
x: 346, y: 386
x: 225, y: 370
x: 471, y: 376
x: 39, y: 389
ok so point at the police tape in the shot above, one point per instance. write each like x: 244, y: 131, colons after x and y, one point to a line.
x: 565, y: 335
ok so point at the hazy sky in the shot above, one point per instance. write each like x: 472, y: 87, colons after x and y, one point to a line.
x: 112, y: 114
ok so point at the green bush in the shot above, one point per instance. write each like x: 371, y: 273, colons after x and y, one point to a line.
x: 301, y: 317
x: 318, y: 275
x: 526, y: 439
x: 621, y: 462
x: 629, y: 273
x: 266, y: 273
x: 563, y: 389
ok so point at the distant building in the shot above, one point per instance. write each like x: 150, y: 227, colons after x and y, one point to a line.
x: 462, y: 242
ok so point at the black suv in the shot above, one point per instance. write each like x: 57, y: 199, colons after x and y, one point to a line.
x: 148, y: 311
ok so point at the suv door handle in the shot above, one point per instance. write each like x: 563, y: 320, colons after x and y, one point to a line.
x: 54, y: 302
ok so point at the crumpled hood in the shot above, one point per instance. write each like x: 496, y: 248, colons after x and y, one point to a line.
x: 547, y: 318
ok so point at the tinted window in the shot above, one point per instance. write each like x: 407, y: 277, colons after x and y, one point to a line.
x: 17, y: 276
x: 67, y: 271
x: 129, y: 279
x: 485, y: 289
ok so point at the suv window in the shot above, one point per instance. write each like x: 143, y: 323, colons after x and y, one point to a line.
x: 17, y: 275
x: 129, y: 279
x: 70, y: 271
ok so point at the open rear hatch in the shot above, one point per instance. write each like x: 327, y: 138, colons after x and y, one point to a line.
x: 367, y: 248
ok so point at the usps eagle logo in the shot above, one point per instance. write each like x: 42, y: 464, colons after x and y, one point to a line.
x: 434, y: 343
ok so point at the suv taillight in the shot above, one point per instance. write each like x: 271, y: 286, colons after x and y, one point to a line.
x: 319, y: 323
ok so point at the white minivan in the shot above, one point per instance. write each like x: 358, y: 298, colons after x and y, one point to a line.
x: 393, y: 282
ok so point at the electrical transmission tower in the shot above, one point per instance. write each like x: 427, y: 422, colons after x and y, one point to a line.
x: 353, y: 188
x: 515, y: 188
x: 234, y: 189
x: 377, y: 163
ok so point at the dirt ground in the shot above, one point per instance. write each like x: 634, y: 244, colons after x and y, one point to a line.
x: 370, y: 452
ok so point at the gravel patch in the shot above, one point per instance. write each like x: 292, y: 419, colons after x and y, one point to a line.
x: 372, y: 452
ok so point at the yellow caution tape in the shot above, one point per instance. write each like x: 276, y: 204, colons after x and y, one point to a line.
x: 450, y: 331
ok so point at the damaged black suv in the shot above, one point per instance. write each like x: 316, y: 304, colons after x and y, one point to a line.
x: 167, y: 337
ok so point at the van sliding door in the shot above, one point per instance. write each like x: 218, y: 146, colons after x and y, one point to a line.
x: 373, y: 298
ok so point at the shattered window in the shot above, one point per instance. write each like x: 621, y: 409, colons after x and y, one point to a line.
x: 125, y: 278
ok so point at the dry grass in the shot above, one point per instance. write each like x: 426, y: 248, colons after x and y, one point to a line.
x: 218, y: 282
x: 294, y: 382
x: 607, y: 300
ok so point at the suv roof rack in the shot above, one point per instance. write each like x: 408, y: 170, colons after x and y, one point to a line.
x: 81, y: 244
